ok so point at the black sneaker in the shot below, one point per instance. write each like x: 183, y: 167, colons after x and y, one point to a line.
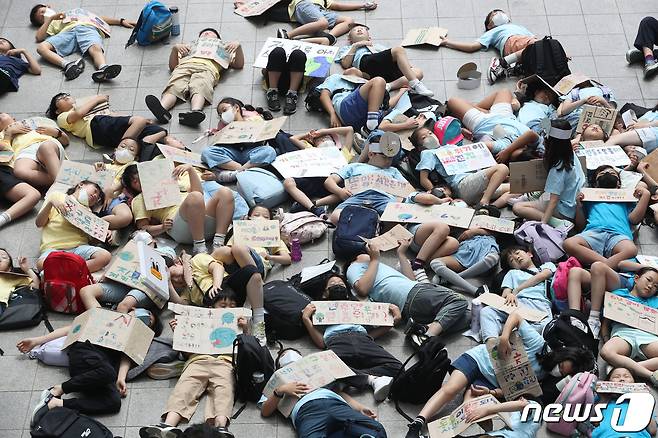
x: 414, y: 430
x: 223, y: 432
x: 273, y: 102
x: 282, y: 33
x: 106, y: 73
x: 153, y: 104
x: 296, y: 207
x: 74, y: 69
x: 414, y: 328
x: 192, y: 118
x: 290, y: 107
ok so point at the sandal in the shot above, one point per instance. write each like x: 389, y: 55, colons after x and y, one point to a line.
x: 328, y: 36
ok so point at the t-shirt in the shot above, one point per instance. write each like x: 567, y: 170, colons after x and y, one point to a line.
x: 566, y: 184
x: 359, y: 53
x: 609, y: 216
x: 649, y: 116
x: 58, y: 26
x: 358, y: 169
x: 140, y: 212
x: 342, y: 328
x: 532, y: 342
x: 533, y: 112
x: 390, y: 286
x: 80, y: 128
x: 13, y: 68
x: 605, y: 430
x: 10, y: 282
x: 519, y: 429
x: 319, y: 393
x: 582, y: 93
x: 202, y: 278
x: 20, y: 142
x: 513, y: 128
x: 293, y: 5
x: 334, y: 83
x: 429, y: 161
x: 208, y: 63
x: 534, y: 296
x: 58, y: 233
x: 499, y: 35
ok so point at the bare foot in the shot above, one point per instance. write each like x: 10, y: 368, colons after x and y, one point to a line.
x: 27, y: 344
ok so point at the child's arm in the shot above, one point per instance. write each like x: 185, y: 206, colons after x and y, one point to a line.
x: 636, y: 216
x: 534, y: 280
x: 387, y: 125
x: 124, y: 367
x: 80, y: 111
x: 216, y: 269
x: 429, y: 199
x: 425, y: 180
x: 33, y: 66
x: 364, y: 285
x: 513, y: 321
x: 313, y: 332
x: 521, y: 142
x: 381, y: 331
x: 395, y: 99
x: 154, y: 229
x: 642, y: 168
x: 462, y: 46
x: 357, y: 406
x: 550, y: 208
x: 44, y: 214
x: 567, y: 106
x: 292, y: 389
x: 331, y: 184
x: 42, y: 32
x: 328, y: 106
x: 25, y: 345
x: 25, y: 267
x: 281, y: 259
x: 491, y: 409
x: 195, y: 181
x: 174, y: 296
x: 340, y: 6
x: 119, y: 22
x: 298, y: 140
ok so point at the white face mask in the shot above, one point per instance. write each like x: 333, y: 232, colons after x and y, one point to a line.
x: 289, y: 357
x: 228, y: 116
x: 459, y: 203
x: 500, y: 18
x: 430, y: 142
x: 123, y: 156
x: 83, y: 197
x: 327, y: 144
x: 49, y: 13
x: 555, y: 372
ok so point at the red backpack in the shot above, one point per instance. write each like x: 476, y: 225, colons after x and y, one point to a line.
x: 64, y: 274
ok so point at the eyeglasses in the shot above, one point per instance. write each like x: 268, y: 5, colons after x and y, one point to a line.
x: 61, y: 97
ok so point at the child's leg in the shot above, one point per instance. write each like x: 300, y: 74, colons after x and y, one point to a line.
x: 481, y: 266
x: 616, y: 352
x: 342, y: 26
x: 578, y: 279
x: 97, y: 55
x: 501, y: 96
x: 99, y: 260
x: 328, y: 200
x: 373, y: 92
x: 220, y: 392
x: 168, y: 101
x: 189, y: 389
x: 291, y: 187
x: 647, y: 35
x: 136, y: 125
x: 625, y: 139
x: 579, y: 248
x: 197, y: 102
x: 403, y: 81
x: 47, y: 52
x: 23, y: 197
x: 311, y: 28
x: 296, y: 67
x: 221, y: 206
x: 276, y: 63
x: 603, y: 278
x: 433, y: 240
x: 458, y: 107
x: 400, y: 58
x: 223, y: 254
x: 456, y: 384
x: 33, y: 172
x: 121, y: 217
x: 451, y: 276
x: 90, y: 295
x: 491, y: 323
x: 496, y: 176
x: 529, y: 210
x: 624, y: 250
x: 192, y: 210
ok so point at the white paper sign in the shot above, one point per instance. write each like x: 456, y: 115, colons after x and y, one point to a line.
x: 466, y: 158
x: 257, y: 233
x: 310, y: 162
x: 605, y: 155
x: 608, y: 195
x: 318, y: 57
x: 159, y: 188
x: 153, y: 270
x: 352, y: 312
x: 314, y: 271
x: 418, y: 214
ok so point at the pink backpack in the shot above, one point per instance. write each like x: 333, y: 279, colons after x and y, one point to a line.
x: 304, y: 226
x: 561, y: 278
x: 579, y: 390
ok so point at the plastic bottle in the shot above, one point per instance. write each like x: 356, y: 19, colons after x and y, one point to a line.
x: 175, y: 21
x: 295, y: 250
x: 257, y: 377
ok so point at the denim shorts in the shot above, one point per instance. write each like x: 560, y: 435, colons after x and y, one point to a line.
x: 649, y: 137
x: 354, y: 110
x: 84, y: 251
x: 602, y: 242
x: 114, y: 293
x: 307, y: 12
x: 80, y: 38
x: 467, y: 365
x: 216, y: 155
x: 377, y: 200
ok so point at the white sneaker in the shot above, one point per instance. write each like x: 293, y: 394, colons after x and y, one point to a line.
x: 258, y: 331
x: 595, y: 325
x: 421, y: 276
x: 421, y: 89
x: 381, y: 387
x: 496, y: 71
x: 532, y: 196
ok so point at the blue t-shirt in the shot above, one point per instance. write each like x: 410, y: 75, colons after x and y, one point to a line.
x: 429, y: 161
x: 649, y: 116
x: 359, y: 53
x: 605, y: 430
x: 499, y: 35
x: 358, y: 169
x: 13, y: 68
x: 333, y: 83
x: 390, y: 286
x: 533, y: 112
x: 513, y: 130
x: 533, y: 296
x: 578, y: 94
x: 313, y: 395
x: 609, y: 216
x: 566, y: 184
x: 533, y: 343
x: 342, y: 328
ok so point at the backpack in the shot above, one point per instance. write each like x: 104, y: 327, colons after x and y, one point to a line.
x: 66, y: 423
x: 260, y: 187
x: 546, y: 241
x: 560, y: 282
x: 419, y: 382
x: 570, y: 329
x: 354, y: 221
x: 304, y: 226
x: 313, y: 287
x: 579, y: 391
x: 25, y: 308
x: 154, y: 24
x: 312, y: 101
x: 250, y: 357
x: 547, y: 59
x: 283, y: 305
x: 64, y: 274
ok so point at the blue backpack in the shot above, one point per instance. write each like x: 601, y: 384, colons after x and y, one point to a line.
x: 354, y: 221
x: 154, y: 24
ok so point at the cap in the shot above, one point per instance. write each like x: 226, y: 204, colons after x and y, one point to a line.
x: 448, y: 130
x: 168, y: 253
x: 388, y: 143
x: 289, y: 357
x: 143, y: 236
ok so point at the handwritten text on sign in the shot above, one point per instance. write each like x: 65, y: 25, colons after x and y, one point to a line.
x: 181, y: 155
x: 83, y: 16
x: 608, y: 195
x: 71, y: 173
x: 81, y: 217
x: 211, y: 48
x: 208, y: 335
x: 159, y: 187
x: 455, y: 423
x: 605, y: 387
x: 490, y: 223
x: 248, y: 131
x: 318, y: 57
x: 604, y: 155
x: 252, y: 8
x: 597, y: 115
x: 514, y: 373
x: 463, y: 159
x: 390, y: 239
x: 310, y: 162
x: 631, y: 313
x: 418, y: 214
x: 257, y: 233
x: 352, y: 312
x: 382, y: 183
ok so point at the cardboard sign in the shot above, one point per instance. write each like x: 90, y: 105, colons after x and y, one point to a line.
x: 455, y: 423
x: 71, y: 173
x: 608, y: 195
x: 206, y: 331
x: 316, y: 370
x: 253, y: 8
x: 213, y: 49
x: 652, y: 159
x: 418, y: 214
x: 352, y: 312
x: 498, y: 302
x: 318, y: 57
x: 116, y: 331
x: 153, y: 270
x: 181, y: 156
x: 84, y: 219
x: 37, y: 122
x: 426, y: 35
x: 630, y: 313
x: 527, y: 176
x: 125, y: 269
x: 101, y: 109
x: 315, y: 271
x: 605, y: 387
x: 591, y: 144
x: 567, y: 83
x: 598, y: 115
x: 648, y: 260
x: 248, y: 131
x: 379, y: 182
x: 490, y: 223
x: 629, y: 118
x: 389, y: 240
x: 542, y: 84
x: 354, y: 79
x: 310, y: 162
x: 159, y: 187
x: 514, y: 373
x: 84, y: 16
x: 257, y: 233
x: 598, y: 156
x: 467, y: 158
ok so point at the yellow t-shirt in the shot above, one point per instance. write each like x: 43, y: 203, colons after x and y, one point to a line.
x: 140, y: 212
x: 293, y: 5
x: 9, y: 282
x: 58, y: 26
x: 262, y: 252
x: 202, y: 278
x: 81, y: 128
x: 20, y: 142
x: 209, y: 63
x: 58, y: 233
x: 118, y: 170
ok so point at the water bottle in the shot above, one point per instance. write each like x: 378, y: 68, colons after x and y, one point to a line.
x: 257, y: 377
x: 476, y: 307
x: 295, y: 250
x: 175, y: 22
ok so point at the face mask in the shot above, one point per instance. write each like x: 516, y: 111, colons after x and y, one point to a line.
x: 607, y: 181
x: 500, y: 18
x: 49, y: 13
x: 430, y: 142
x: 459, y: 203
x: 555, y: 372
x: 123, y: 156
x: 327, y: 144
x: 288, y: 357
x: 143, y: 315
x: 83, y: 197
x: 337, y: 292
x: 228, y: 116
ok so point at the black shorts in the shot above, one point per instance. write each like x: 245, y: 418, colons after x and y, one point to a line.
x: 108, y: 131
x: 148, y: 151
x: 7, y: 180
x: 380, y: 64
x: 313, y: 186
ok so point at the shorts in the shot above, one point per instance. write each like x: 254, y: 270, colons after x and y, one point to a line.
x: 80, y: 38
x: 414, y: 247
x: 31, y: 151
x: 84, y: 251
x: 7, y: 180
x: 353, y: 110
x: 649, y: 138
x: 237, y: 280
x: 602, y: 242
x: 377, y: 200
x: 516, y: 43
x: 475, y: 249
x: 471, y: 188
x: 233, y: 268
x: 216, y: 155
x: 636, y: 338
x: 469, y: 367
x: 108, y: 131
x: 114, y: 293
x: 381, y: 64
x: 312, y: 186
x: 474, y: 116
x: 180, y: 231
x: 307, y: 12
x: 192, y: 78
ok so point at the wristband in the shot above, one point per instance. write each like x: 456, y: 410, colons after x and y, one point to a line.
x: 121, y: 20
x: 276, y: 394
x: 59, y: 133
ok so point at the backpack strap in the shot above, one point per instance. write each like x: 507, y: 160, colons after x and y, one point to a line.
x: 539, y: 48
x: 133, y: 35
x: 400, y: 371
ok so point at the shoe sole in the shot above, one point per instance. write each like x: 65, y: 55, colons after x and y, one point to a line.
x: 634, y: 57
x: 156, y: 432
x: 110, y: 72
x: 382, y: 393
x: 650, y: 73
x: 289, y: 113
x: 192, y: 118
x: 153, y: 104
x: 72, y: 73
x: 165, y: 371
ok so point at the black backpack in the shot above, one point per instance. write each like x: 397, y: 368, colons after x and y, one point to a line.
x: 341, y: 428
x: 283, y: 306
x: 547, y: 59
x: 570, y: 329
x: 25, y: 308
x: 250, y: 357
x: 66, y: 423
x: 312, y: 101
x: 313, y: 287
x: 354, y: 221
x: 419, y: 382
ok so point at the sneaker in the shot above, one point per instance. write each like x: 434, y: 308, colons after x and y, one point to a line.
x: 165, y: 370
x: 496, y: 70
x: 191, y: 118
x: 223, y: 432
x: 484, y: 289
x: 226, y: 176
x: 319, y: 211
x: 650, y: 68
x: 258, y: 331
x: 421, y: 276
x: 296, y: 207
x: 414, y: 328
x: 414, y: 430
x: 273, y: 103
x: 290, y: 106
x: 199, y: 249
x: 106, y: 73
x: 282, y: 33
x: 155, y: 106
x: 595, y: 325
x: 42, y: 407
x: 74, y: 69
x: 634, y: 56
x: 418, y: 339
x: 532, y: 196
x: 422, y: 90
x: 161, y: 430
x: 381, y: 387
x: 359, y: 142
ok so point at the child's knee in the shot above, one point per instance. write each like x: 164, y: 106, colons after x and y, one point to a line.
x: 378, y: 82
x: 347, y: 20
x: 138, y: 119
x: 102, y: 255
x: 44, y: 47
x: 502, y: 169
x: 398, y: 50
x: 194, y: 199
x: 91, y: 291
x: 419, y: 73
x: 289, y: 183
x: 323, y: 23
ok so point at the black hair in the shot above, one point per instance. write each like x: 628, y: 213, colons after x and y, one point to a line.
x: 255, y: 206
x: 489, y: 15
x: 414, y: 137
x: 266, y: 115
x: 582, y: 359
x: 343, y: 279
x: 202, y: 430
x: 157, y: 324
x: 33, y: 14
x: 101, y: 194
x: 559, y: 152
x: 592, y: 179
x: 128, y: 174
x: 11, y: 261
x: 51, y: 112
x: 643, y: 270
x: 226, y: 293
x: 612, y: 370
x: 215, y: 31
x: 505, y: 253
x: 11, y: 45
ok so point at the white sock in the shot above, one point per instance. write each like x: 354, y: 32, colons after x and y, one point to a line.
x: 258, y: 315
x: 199, y: 246
x: 5, y: 218
x: 510, y: 59
x: 292, y: 92
x: 594, y: 314
x: 373, y: 120
x: 65, y: 63
x: 413, y: 83
x: 219, y: 239
x: 388, y: 87
x: 271, y: 89
x: 102, y: 66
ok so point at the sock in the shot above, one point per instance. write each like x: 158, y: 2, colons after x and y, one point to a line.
x: 258, y: 315
x: 269, y: 90
x: 219, y: 239
x: 102, y: 66
x: 413, y: 83
x: 481, y: 267
x: 5, y: 218
x: 292, y: 93
x: 648, y: 59
x: 510, y: 59
x: 388, y: 87
x: 594, y: 314
x: 66, y: 63
x: 199, y: 245
x: 373, y: 120
x: 420, y: 420
x: 451, y: 276
x: 417, y: 264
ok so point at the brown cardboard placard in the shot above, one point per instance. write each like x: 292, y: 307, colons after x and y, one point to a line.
x: 310, y: 162
x: 498, y: 302
x: 652, y: 159
x: 455, y: 423
x: 599, y: 115
x: 181, y: 156
x: 514, y: 373
x: 389, y: 240
x: 631, y: 313
x: 159, y: 187
x: 213, y: 49
x: 248, y: 131
x: 376, y: 181
x: 84, y: 219
x: 253, y: 8
x: 608, y: 195
x: 567, y: 83
x: 417, y: 214
x: 425, y: 35
x: 491, y: 223
x: 257, y: 233
x: 352, y: 312
x: 527, y: 176
x: 605, y: 387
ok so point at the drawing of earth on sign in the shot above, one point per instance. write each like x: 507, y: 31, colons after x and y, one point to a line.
x: 228, y: 318
x: 317, y: 67
x: 405, y: 216
x: 126, y: 256
x: 222, y: 337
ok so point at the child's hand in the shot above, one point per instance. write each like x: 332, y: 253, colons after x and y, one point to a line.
x: 363, y: 43
x: 597, y: 100
x: 504, y: 347
x: 60, y: 206
x: 465, y: 235
x: 477, y: 390
x: 181, y: 169
x: 57, y: 16
x: 395, y: 312
x: 182, y: 50
x: 23, y: 263
x: 48, y: 130
x: 410, y: 123
x: 104, y: 98
x: 294, y: 389
x: 365, y: 410
x: 16, y: 128
x: 404, y: 246
x: 335, y: 121
x: 308, y: 311
x: 243, y: 324
x: 173, y: 323
x: 510, y: 299
x: 233, y: 46
x: 99, y: 166
x: 642, y: 166
x: 580, y: 197
x: 503, y: 156
x: 369, y: 6
x: 27, y: 344
x: 14, y: 52
x: 640, y: 192
x: 168, y: 224
x: 207, y: 175
x: 122, y: 387
x: 344, y: 194
x: 373, y: 250
x: 128, y: 24
x: 477, y: 413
